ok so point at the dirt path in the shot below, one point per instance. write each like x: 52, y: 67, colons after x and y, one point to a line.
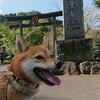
x: 72, y: 88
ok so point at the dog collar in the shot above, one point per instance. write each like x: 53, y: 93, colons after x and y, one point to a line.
x: 23, y: 83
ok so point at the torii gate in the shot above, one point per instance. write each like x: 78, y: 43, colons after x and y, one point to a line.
x: 34, y: 22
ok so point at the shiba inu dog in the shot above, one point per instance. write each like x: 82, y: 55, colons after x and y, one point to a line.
x: 29, y: 68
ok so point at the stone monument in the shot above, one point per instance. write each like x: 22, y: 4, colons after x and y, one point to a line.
x: 74, y: 47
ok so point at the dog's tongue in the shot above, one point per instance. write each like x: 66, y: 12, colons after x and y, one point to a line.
x: 55, y: 80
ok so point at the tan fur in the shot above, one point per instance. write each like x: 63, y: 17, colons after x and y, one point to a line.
x: 3, y: 78
x: 2, y: 87
x: 30, y: 53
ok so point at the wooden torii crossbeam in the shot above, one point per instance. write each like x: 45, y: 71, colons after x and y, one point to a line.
x: 46, y: 15
x: 35, y: 19
x: 34, y: 25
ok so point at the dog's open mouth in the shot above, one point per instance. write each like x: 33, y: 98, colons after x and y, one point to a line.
x: 47, y: 77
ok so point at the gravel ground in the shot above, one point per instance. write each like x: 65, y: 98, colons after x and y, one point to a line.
x: 82, y: 87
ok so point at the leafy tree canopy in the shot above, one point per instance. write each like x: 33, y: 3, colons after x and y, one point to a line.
x: 97, y: 3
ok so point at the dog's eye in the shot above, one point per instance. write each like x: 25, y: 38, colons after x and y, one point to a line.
x: 39, y: 57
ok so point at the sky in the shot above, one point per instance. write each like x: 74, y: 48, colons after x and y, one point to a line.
x: 44, y: 6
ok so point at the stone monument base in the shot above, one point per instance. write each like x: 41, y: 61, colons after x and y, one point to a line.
x: 75, y: 50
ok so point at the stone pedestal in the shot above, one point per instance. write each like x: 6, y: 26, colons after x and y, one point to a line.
x: 75, y: 50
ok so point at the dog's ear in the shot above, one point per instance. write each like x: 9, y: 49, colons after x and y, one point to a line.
x: 20, y: 46
x: 45, y: 41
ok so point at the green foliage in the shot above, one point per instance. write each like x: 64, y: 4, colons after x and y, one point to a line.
x: 33, y: 36
x: 97, y: 41
x: 7, y: 38
x: 28, y: 13
x: 36, y: 36
x: 97, y: 3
